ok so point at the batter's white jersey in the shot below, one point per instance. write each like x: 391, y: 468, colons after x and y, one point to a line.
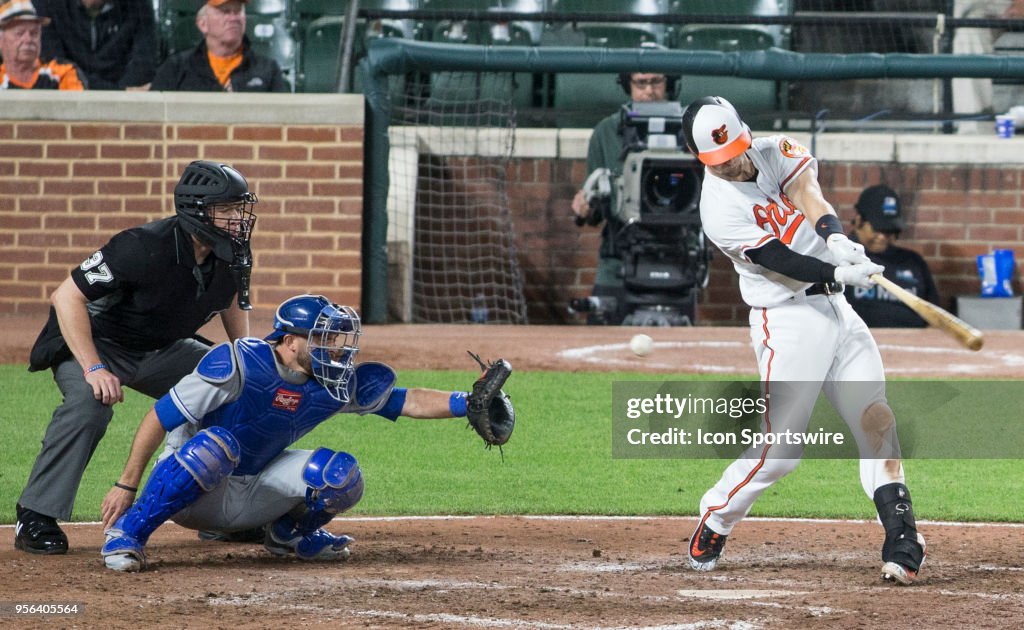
x: 740, y: 216
x: 804, y: 344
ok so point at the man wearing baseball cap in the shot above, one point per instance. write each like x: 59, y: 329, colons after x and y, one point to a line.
x: 224, y: 61
x: 877, y: 225
x: 20, y: 42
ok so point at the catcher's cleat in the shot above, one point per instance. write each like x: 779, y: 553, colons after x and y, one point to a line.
x: 122, y: 552
x: 38, y: 533
x: 904, y: 576
x: 252, y: 535
x: 320, y: 545
x: 706, y: 546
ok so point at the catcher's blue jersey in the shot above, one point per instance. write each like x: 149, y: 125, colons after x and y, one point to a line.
x: 239, y: 387
x: 271, y: 413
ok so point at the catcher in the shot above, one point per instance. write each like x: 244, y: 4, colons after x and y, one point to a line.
x: 227, y: 466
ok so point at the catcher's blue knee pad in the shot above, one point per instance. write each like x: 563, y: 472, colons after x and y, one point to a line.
x: 176, y: 482
x: 210, y: 456
x: 334, y: 479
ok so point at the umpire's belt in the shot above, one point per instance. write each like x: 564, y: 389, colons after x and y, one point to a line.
x: 824, y: 288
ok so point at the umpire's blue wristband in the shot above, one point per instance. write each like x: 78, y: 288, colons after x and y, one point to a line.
x: 457, y: 404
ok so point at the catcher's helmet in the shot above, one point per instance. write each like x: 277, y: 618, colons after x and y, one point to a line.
x: 206, y: 184
x: 332, y: 334
x: 714, y: 131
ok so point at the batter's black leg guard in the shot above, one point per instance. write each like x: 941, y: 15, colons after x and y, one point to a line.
x: 897, y: 515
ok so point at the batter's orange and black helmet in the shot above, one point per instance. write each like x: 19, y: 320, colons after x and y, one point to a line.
x: 714, y: 131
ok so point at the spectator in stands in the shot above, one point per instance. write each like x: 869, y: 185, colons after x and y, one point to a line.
x: 605, y: 151
x: 878, y: 223
x: 113, y: 43
x: 20, y: 42
x: 224, y: 60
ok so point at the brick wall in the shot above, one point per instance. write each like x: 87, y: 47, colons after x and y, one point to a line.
x: 66, y: 186
x: 71, y: 176
x: 953, y: 213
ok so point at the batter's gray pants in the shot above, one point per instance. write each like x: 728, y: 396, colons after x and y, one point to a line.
x: 80, y: 422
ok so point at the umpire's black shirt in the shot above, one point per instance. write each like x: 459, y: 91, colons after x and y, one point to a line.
x: 145, y: 291
x: 877, y: 307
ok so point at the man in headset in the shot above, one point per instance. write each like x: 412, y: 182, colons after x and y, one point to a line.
x: 605, y: 151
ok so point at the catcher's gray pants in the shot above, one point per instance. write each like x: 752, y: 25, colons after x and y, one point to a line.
x: 80, y: 421
x: 244, y: 502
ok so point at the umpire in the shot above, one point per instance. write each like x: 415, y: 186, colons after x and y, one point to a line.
x: 128, y: 316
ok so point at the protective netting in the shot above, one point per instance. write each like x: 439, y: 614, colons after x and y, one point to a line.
x: 572, y: 99
x: 451, y: 249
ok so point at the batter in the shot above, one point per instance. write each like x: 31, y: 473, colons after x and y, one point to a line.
x: 762, y: 206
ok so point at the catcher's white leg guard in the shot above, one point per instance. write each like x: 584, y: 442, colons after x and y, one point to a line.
x: 335, y: 485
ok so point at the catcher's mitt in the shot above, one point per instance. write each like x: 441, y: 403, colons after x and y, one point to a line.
x: 488, y: 409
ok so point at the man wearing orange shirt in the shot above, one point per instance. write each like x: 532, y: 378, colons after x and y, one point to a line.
x: 224, y: 60
x: 20, y: 41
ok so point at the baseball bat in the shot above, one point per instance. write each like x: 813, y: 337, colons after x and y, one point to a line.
x: 942, y: 319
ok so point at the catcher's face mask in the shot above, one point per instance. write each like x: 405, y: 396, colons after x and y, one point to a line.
x: 332, y: 344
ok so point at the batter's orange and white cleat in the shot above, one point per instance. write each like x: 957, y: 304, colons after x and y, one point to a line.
x: 706, y: 547
x: 901, y: 575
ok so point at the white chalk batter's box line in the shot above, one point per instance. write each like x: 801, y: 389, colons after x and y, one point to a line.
x: 570, y: 518
x: 608, y: 354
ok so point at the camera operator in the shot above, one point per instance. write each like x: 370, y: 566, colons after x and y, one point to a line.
x: 605, y: 151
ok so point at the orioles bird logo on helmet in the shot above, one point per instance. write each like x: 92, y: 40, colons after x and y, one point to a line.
x: 720, y: 135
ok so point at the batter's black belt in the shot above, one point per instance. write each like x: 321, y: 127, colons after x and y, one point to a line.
x: 824, y: 288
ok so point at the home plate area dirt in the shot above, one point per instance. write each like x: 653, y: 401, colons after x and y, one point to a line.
x: 560, y: 572
x: 516, y: 572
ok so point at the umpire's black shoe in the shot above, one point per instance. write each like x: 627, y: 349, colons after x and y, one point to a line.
x: 38, y: 533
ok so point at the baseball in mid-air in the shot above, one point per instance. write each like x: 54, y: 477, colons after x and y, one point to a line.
x: 641, y: 345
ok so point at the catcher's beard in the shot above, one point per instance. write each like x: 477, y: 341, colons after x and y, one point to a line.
x: 305, y: 362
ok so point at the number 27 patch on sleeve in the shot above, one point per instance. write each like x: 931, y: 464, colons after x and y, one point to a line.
x: 96, y: 270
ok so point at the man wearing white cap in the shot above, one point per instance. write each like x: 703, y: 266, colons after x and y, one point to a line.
x: 20, y: 42
x: 762, y: 206
x: 224, y: 61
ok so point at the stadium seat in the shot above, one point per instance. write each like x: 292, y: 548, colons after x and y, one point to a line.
x: 616, y: 35
x: 749, y: 95
x: 778, y: 33
x: 447, y: 88
x: 266, y: 7
x: 269, y: 36
x: 321, y: 34
x: 177, y: 25
x: 724, y: 38
x: 516, y: 33
x: 581, y: 100
x: 313, y: 9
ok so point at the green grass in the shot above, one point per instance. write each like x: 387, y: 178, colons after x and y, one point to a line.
x: 558, y: 462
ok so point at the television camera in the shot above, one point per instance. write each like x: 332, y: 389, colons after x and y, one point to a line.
x: 665, y: 258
